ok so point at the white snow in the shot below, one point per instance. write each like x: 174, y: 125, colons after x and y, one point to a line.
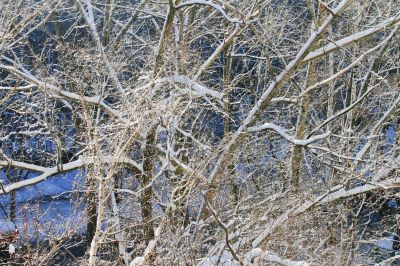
x: 224, y: 260
x: 195, y: 86
x: 138, y: 261
x: 271, y: 257
x: 11, y: 249
x: 209, y: 3
x: 281, y: 131
x: 253, y: 257
x: 351, y: 39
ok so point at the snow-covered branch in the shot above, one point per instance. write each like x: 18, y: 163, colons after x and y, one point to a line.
x: 45, y: 86
x: 89, y: 17
x: 197, y: 89
x: 47, y: 172
x: 22, y: 165
x: 174, y: 113
x: 268, y: 94
x: 281, y: 131
x: 208, y: 3
x: 351, y: 39
x: 272, y: 257
x: 335, y: 193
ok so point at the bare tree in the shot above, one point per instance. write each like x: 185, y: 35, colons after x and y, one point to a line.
x: 207, y: 131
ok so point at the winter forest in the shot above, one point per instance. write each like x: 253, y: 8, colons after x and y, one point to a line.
x: 199, y: 132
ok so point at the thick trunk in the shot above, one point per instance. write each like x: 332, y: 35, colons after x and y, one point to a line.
x: 13, y: 206
x: 304, y: 108
x: 91, y: 212
x: 107, y: 22
x: 146, y: 179
x: 300, y: 132
x: 97, y: 232
x: 330, y: 172
x: 178, y: 181
x: 396, y: 239
x: 228, y: 115
x: 119, y: 234
x: 164, y: 38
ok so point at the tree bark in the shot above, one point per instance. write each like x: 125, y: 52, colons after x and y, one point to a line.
x: 146, y: 179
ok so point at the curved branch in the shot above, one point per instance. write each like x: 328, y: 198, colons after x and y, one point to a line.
x: 281, y: 131
x: 208, y: 3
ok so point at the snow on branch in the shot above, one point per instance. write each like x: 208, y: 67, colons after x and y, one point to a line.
x: 351, y: 39
x: 89, y: 17
x: 22, y: 165
x: 272, y: 257
x: 198, y: 89
x: 19, y: 88
x: 342, y: 194
x: 47, y: 172
x: 208, y: 3
x: 281, y: 131
x: 27, y: 76
x: 268, y: 94
x: 335, y: 193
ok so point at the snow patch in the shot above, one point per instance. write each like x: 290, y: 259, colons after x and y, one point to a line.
x: 138, y: 261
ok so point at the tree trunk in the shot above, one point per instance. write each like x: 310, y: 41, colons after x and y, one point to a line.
x: 300, y: 132
x: 146, y: 179
x: 91, y: 212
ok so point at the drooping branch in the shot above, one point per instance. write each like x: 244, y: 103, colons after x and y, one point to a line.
x: 281, y: 131
x: 208, y: 3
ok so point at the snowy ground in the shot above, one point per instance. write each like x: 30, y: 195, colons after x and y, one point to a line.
x: 46, y: 209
